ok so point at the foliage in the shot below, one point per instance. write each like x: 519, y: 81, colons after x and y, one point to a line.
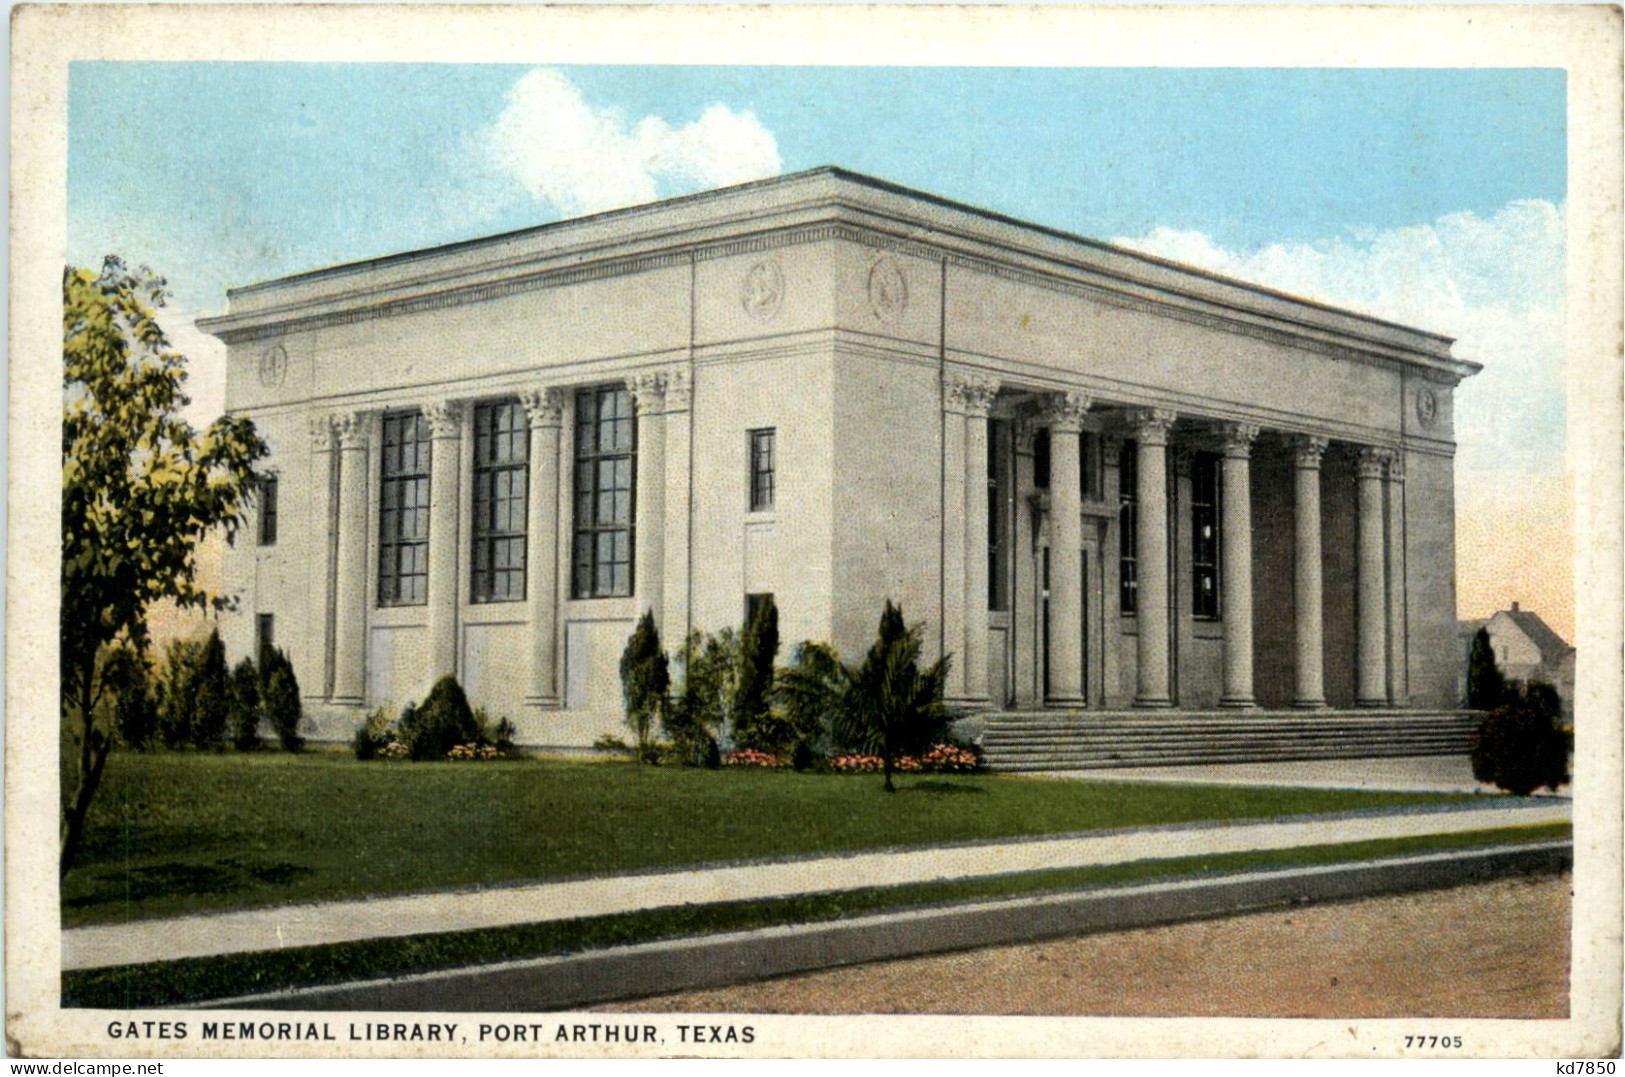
x: 891, y: 707
x: 192, y: 695
x: 140, y: 490
x: 135, y: 712
x: 645, y: 680
x: 806, y: 691
x: 443, y: 721
x: 699, y: 716
x: 753, y: 725
x: 498, y: 735
x: 283, y: 707
x: 243, y: 706
x: 1486, y: 684
x: 372, y: 735
x: 608, y: 743
x: 1519, y: 747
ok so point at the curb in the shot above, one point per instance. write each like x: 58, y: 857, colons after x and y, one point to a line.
x: 576, y: 980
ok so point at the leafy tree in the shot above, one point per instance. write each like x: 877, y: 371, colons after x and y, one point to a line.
x: 243, y: 703
x: 140, y: 490
x: 645, y: 680
x: 1486, y: 685
x: 698, y: 716
x: 279, y: 689
x: 753, y: 693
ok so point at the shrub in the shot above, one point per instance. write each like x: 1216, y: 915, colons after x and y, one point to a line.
x: 442, y: 722
x: 279, y: 690
x: 806, y: 691
x: 1486, y: 686
x: 498, y: 735
x: 750, y: 757
x: 888, y: 705
x: 373, y: 735
x: 753, y: 725
x: 1518, y: 746
x: 697, y: 718
x: 192, y: 700
x: 135, y: 712
x: 645, y: 680
x: 609, y: 743
x: 243, y: 706
x: 209, y: 724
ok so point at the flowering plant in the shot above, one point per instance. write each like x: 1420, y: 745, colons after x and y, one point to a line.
x: 473, y: 751
x: 394, y: 750
x: 750, y: 757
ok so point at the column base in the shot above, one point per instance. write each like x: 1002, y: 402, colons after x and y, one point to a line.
x: 1239, y: 704
x: 1309, y: 704
x: 1153, y: 704
x: 1368, y: 703
x: 968, y: 703
x: 545, y: 703
x: 346, y: 701
x: 1063, y: 702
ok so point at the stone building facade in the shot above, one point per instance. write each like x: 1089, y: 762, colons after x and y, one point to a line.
x: 1100, y: 479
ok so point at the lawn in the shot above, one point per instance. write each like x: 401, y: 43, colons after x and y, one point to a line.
x: 182, y: 832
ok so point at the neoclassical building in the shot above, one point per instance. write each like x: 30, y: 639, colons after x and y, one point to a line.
x: 1102, y: 480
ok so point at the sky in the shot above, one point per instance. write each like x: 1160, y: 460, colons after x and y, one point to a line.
x: 1434, y: 198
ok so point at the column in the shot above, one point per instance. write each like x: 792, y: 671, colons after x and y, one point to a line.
x: 679, y: 489
x: 350, y: 584
x: 955, y: 617
x: 977, y: 394
x: 649, y: 563
x: 545, y: 409
x: 1236, y: 562
x: 1310, y: 691
x: 1398, y: 678
x: 1064, y: 412
x: 1111, y: 675
x: 322, y: 464
x: 1371, y: 584
x: 445, y: 436
x: 1151, y: 427
x: 1028, y: 605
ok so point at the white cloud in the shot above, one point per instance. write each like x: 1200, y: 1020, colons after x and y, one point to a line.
x: 1494, y: 283
x: 581, y: 159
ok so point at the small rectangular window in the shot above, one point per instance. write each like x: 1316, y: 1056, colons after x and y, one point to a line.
x: 267, y: 535
x: 761, y: 470
x: 264, y: 637
x: 501, y: 483
x: 1205, y: 536
x: 1128, y: 528
x: 403, y: 511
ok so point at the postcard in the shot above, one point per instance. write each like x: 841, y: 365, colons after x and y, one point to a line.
x: 815, y: 531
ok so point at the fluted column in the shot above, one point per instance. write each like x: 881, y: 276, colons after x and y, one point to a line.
x: 1111, y: 693
x: 445, y: 460
x: 1371, y: 584
x: 322, y: 464
x: 1398, y: 674
x: 1236, y: 563
x: 350, y: 584
x: 1028, y: 607
x: 976, y: 394
x: 545, y: 409
x: 674, y: 597
x: 1310, y: 690
x: 649, y: 395
x: 1064, y: 413
x: 1150, y: 428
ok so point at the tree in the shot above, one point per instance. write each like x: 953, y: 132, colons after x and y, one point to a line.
x: 886, y: 706
x: 210, y: 694
x: 279, y: 688
x: 1518, y: 746
x: 645, y: 680
x: 243, y: 697
x: 753, y: 692
x: 699, y: 715
x: 1486, y: 685
x: 140, y: 490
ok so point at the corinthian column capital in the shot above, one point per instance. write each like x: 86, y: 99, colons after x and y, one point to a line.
x: 445, y: 419
x: 351, y: 428
x: 648, y: 392
x: 543, y: 407
x: 1064, y: 412
x: 321, y: 433
x: 1237, y: 439
x: 1369, y: 462
x: 1150, y: 426
x: 1307, y: 449
x: 971, y: 394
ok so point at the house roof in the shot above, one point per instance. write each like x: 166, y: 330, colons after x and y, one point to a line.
x: 1549, y: 643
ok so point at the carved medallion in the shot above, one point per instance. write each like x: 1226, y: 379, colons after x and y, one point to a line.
x: 1427, y: 407
x: 888, y: 290
x: 273, y: 366
x: 762, y: 290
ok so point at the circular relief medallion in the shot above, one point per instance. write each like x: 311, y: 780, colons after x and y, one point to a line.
x: 1427, y: 407
x: 273, y: 366
x: 888, y: 290
x: 762, y: 290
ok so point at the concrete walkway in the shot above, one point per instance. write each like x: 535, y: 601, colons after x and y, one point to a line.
x: 400, y: 915
x: 1405, y: 774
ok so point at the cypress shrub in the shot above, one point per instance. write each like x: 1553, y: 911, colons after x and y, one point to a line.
x: 645, y: 681
x: 1518, y: 746
x: 1486, y: 686
x: 442, y: 722
x: 243, y: 706
x: 209, y: 716
x: 753, y: 692
x: 279, y: 690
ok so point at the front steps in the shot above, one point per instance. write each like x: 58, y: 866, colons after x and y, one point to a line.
x: 1096, y: 740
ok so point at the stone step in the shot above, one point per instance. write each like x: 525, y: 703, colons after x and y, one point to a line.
x: 1097, y: 761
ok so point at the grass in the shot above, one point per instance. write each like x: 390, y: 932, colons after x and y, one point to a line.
x: 175, y: 982
x: 175, y: 833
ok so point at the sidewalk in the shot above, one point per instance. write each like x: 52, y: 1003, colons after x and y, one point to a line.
x: 395, y: 916
x: 1402, y: 774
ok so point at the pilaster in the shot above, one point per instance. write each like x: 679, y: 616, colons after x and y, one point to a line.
x: 544, y: 410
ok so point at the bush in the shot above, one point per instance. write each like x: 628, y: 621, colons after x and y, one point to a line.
x: 280, y: 694
x: 697, y: 718
x: 1518, y: 746
x: 135, y: 712
x: 243, y: 706
x: 645, y: 681
x: 444, y: 721
x: 373, y: 736
x: 498, y: 735
x: 192, y: 700
x: 753, y: 725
